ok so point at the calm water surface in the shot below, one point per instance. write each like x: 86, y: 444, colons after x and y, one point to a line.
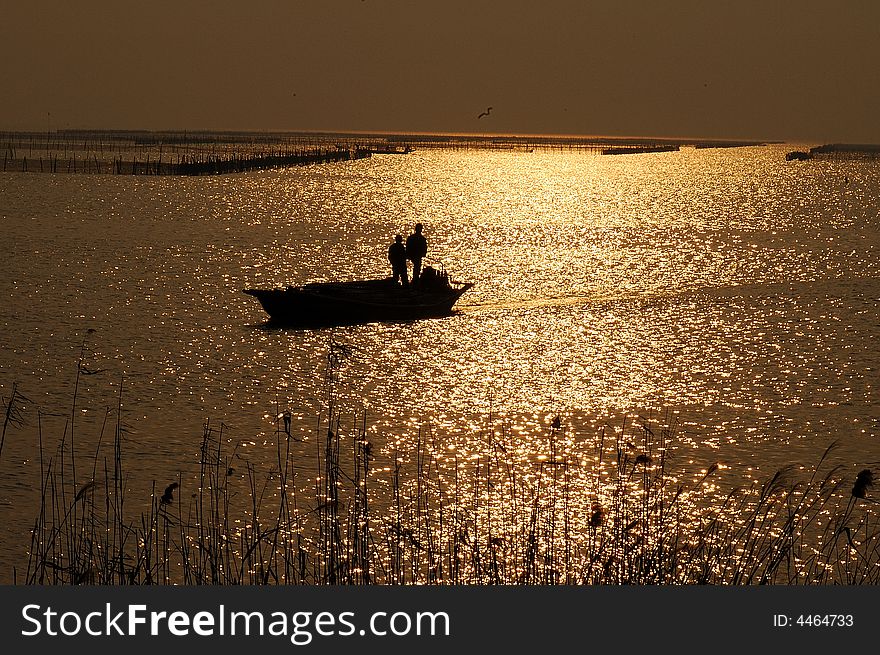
x: 732, y: 288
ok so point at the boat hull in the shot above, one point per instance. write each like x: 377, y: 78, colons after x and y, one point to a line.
x: 365, y: 301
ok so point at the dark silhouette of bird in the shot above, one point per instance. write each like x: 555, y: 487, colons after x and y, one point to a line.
x: 485, y: 113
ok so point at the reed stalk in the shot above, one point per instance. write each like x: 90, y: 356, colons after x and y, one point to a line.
x: 560, y: 508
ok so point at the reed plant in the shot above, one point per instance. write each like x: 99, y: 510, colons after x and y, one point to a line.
x: 560, y: 508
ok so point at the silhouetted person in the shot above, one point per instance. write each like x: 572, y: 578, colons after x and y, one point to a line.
x: 397, y: 257
x: 416, y: 249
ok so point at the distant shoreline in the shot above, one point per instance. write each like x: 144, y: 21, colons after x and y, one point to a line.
x: 142, y: 152
x: 244, y: 136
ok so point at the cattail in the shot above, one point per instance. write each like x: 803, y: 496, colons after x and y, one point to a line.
x: 678, y: 493
x: 597, y: 515
x: 863, y: 480
x: 88, y: 486
x: 167, y: 497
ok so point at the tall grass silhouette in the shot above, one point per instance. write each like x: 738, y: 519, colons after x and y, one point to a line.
x: 559, y: 508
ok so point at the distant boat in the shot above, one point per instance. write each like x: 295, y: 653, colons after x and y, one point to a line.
x: 361, y: 301
x: 797, y: 155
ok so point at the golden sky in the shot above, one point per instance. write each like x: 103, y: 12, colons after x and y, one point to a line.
x: 794, y: 70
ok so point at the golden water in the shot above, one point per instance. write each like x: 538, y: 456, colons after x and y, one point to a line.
x: 736, y: 290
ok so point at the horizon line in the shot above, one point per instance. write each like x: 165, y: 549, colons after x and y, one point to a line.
x: 408, y: 133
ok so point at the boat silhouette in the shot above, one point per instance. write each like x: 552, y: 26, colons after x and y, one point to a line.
x: 361, y: 301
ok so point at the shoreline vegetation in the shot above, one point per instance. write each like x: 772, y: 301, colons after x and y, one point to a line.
x: 561, y: 509
x: 189, y: 153
x: 845, y: 151
x: 122, y: 152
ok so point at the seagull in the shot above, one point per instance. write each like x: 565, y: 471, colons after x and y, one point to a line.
x: 485, y: 113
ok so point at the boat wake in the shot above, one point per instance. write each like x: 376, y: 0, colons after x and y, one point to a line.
x: 846, y: 287
x: 560, y: 301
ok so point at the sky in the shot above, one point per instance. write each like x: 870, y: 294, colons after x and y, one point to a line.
x: 801, y: 71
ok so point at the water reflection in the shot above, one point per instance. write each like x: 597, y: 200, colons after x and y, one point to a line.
x: 734, y: 288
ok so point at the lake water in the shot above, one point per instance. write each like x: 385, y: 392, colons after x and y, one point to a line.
x: 730, y: 288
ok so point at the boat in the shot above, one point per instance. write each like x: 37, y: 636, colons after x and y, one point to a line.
x: 361, y: 301
x: 797, y: 155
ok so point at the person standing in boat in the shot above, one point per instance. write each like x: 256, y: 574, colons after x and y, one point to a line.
x: 397, y: 258
x: 416, y: 249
